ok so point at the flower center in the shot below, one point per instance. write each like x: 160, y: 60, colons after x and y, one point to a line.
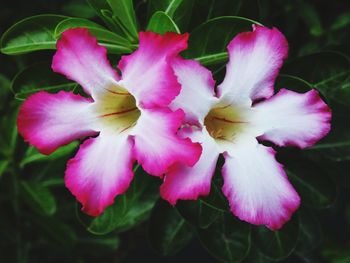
x: 224, y: 123
x: 117, y: 109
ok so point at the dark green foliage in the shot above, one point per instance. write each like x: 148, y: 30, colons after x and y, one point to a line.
x: 227, y: 239
x: 168, y: 231
x: 40, y: 220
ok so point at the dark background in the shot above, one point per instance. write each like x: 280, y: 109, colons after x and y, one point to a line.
x: 308, y: 25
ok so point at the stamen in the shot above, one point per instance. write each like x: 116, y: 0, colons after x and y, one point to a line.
x: 224, y: 123
x: 229, y: 121
x: 128, y: 127
x: 117, y: 113
x: 118, y: 93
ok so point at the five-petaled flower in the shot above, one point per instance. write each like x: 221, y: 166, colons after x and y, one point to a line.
x: 231, y: 118
x: 127, y: 114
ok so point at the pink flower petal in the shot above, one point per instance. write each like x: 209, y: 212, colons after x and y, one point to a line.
x: 257, y: 187
x: 101, y: 170
x: 157, y: 147
x: 197, y: 93
x: 188, y: 183
x: 255, y: 59
x: 49, y: 121
x: 81, y: 59
x: 147, y: 73
x: 293, y: 119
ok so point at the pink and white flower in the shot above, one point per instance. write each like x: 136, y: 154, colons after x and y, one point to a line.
x: 128, y: 115
x: 233, y: 117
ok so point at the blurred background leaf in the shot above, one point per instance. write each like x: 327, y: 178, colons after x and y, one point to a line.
x: 277, y: 245
x: 168, y: 231
x: 227, y: 239
x: 41, y: 221
x: 208, y: 42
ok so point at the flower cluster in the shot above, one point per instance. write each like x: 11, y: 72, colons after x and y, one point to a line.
x: 165, y: 113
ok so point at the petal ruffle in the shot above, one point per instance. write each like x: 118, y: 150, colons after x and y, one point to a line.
x: 101, y: 170
x: 49, y: 121
x: 147, y: 73
x: 188, y: 183
x: 197, y: 93
x: 80, y: 58
x: 257, y: 187
x: 293, y: 119
x: 157, y: 146
x: 255, y: 59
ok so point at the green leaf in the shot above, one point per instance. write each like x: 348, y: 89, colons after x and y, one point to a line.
x: 277, y: 245
x: 32, y: 154
x: 292, y: 83
x: 255, y: 256
x: 336, y: 146
x: 327, y: 71
x: 178, y: 10
x: 212, y: 59
x: 338, y: 150
x: 208, y: 42
x: 3, y: 166
x: 129, y: 209
x: 161, y: 23
x: 53, y: 182
x: 77, y: 8
x: 337, y: 254
x: 168, y: 6
x: 101, y: 241
x: 104, y: 10
x: 310, y: 233
x: 124, y: 15
x: 197, y: 213
x: 39, y: 77
x: 30, y: 34
x: 168, y: 231
x: 315, y: 191
x: 114, y: 43
x: 311, y: 181
x: 38, y: 197
x: 209, y: 9
x: 8, y: 129
x: 227, y: 239
x: 216, y: 200
x: 5, y: 85
x: 56, y: 229
x: 342, y: 21
x: 311, y: 18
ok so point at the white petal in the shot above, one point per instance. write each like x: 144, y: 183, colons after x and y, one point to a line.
x: 147, y: 72
x: 80, y: 58
x: 101, y: 169
x: 256, y: 185
x: 197, y: 94
x: 254, y: 62
x: 49, y: 121
x: 291, y: 118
